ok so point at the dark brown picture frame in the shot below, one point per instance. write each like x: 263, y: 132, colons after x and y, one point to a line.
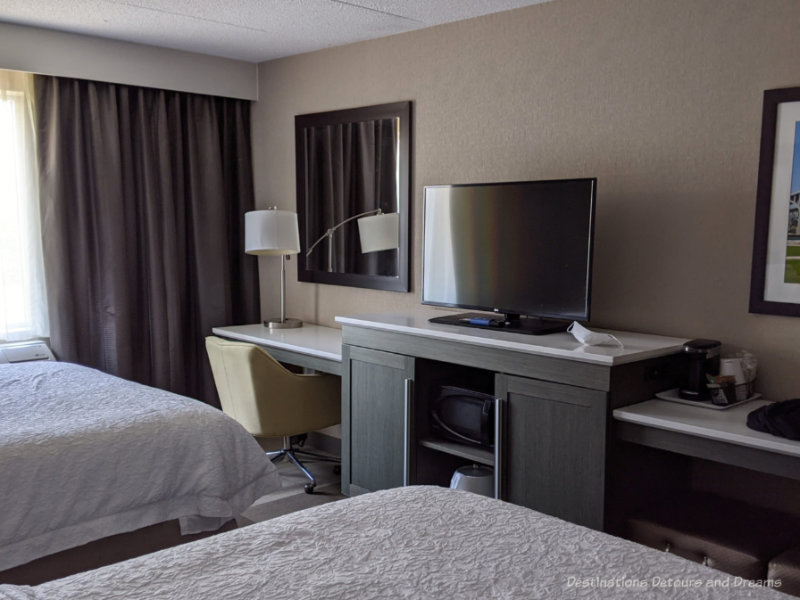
x: 766, y: 170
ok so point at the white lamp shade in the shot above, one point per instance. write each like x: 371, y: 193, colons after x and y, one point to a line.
x: 271, y: 232
x: 379, y: 232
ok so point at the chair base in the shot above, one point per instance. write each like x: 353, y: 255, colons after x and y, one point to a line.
x: 290, y: 452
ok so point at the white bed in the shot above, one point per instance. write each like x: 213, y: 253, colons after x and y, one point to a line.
x: 85, y: 455
x: 414, y: 542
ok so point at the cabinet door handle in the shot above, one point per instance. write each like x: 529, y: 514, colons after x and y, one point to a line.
x: 408, y: 427
x: 499, y: 442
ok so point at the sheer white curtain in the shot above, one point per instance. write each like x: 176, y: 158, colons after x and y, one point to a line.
x: 23, y: 304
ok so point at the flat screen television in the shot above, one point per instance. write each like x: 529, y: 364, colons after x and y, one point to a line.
x: 519, y: 249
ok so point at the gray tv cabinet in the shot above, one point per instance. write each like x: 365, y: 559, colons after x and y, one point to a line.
x: 553, y: 398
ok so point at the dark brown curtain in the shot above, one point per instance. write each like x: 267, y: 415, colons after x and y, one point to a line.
x: 352, y: 168
x: 143, y: 194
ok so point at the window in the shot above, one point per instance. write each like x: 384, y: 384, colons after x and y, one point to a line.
x: 23, y: 305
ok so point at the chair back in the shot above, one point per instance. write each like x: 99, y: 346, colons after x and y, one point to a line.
x: 265, y: 397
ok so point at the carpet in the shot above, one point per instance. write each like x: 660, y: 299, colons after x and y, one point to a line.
x: 292, y: 495
x: 288, y: 504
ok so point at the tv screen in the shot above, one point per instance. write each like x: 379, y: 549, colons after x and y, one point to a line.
x: 521, y: 248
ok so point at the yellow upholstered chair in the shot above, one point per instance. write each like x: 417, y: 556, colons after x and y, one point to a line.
x: 271, y: 401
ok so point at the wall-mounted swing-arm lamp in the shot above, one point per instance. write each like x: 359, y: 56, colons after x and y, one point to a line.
x: 377, y: 232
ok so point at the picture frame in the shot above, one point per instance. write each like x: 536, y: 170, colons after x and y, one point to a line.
x: 775, y: 274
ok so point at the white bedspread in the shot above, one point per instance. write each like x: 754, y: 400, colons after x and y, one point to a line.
x: 415, y: 542
x: 85, y: 455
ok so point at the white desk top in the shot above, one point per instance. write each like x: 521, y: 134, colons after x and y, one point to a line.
x: 638, y: 346
x: 722, y: 425
x: 313, y: 340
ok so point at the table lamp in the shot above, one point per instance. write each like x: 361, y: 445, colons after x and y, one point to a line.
x: 274, y: 232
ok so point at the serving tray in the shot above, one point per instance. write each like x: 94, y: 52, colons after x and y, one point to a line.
x: 674, y: 396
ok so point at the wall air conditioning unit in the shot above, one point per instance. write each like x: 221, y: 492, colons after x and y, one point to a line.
x: 16, y: 352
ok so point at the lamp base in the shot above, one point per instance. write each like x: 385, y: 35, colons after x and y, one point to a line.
x: 285, y: 324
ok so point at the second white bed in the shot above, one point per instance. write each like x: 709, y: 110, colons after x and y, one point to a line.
x: 413, y: 542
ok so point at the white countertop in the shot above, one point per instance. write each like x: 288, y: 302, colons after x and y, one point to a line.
x: 313, y: 340
x: 638, y: 346
x: 722, y: 425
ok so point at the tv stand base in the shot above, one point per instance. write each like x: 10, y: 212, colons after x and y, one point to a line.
x: 512, y: 323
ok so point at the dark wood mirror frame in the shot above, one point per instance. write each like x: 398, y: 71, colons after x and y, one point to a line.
x: 305, y: 204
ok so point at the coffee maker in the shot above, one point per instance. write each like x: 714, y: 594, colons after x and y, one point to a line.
x: 702, y: 361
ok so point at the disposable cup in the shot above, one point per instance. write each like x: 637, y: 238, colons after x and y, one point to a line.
x: 732, y: 366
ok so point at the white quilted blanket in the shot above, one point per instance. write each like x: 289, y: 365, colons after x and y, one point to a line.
x: 415, y: 542
x: 85, y: 455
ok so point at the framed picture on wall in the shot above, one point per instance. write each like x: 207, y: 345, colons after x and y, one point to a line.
x: 775, y: 277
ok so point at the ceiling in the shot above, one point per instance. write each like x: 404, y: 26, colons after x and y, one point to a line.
x: 248, y: 30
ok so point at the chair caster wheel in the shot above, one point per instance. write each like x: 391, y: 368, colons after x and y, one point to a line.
x: 309, y: 488
x: 337, y: 470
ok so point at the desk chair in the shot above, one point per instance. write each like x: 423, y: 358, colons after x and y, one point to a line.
x: 271, y: 401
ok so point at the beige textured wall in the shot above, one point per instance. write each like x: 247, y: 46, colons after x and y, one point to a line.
x: 661, y: 101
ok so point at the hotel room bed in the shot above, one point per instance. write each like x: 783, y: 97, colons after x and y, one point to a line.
x: 413, y: 542
x: 85, y: 455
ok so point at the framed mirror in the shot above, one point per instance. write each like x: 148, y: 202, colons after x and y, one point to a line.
x: 353, y: 180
